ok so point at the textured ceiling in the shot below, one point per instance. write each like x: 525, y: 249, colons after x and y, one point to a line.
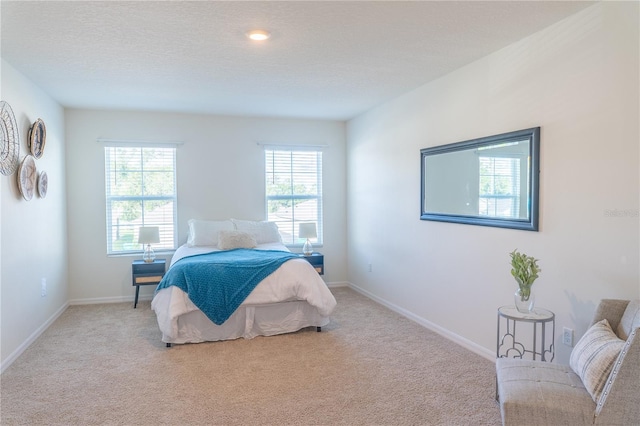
x: 325, y: 59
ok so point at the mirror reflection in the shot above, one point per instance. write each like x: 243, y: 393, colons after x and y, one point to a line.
x: 488, y: 181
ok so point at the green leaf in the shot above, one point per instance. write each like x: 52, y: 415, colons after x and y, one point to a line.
x: 525, y: 270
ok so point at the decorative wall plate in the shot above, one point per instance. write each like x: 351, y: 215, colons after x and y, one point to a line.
x: 27, y: 176
x: 43, y: 184
x: 37, y: 138
x: 10, y: 140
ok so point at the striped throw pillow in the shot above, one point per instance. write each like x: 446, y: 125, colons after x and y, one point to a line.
x: 594, y: 355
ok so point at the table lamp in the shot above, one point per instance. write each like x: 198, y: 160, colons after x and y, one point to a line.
x: 307, y: 230
x: 148, y: 235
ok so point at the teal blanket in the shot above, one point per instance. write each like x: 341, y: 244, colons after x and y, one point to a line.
x: 217, y: 283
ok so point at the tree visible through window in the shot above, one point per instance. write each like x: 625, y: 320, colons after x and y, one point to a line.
x: 140, y: 191
x: 294, y: 191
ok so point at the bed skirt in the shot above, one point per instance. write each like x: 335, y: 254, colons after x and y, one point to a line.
x: 248, y: 321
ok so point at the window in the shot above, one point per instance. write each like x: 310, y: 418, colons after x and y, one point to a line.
x: 499, y: 187
x: 294, y: 191
x: 141, y: 191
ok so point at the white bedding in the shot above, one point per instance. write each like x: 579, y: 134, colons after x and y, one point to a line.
x: 295, y: 280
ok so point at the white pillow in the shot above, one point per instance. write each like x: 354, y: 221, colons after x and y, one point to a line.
x: 263, y: 232
x: 594, y: 355
x: 205, y: 232
x: 228, y: 240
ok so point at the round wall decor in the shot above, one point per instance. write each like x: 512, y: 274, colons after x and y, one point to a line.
x: 37, y: 138
x: 27, y: 177
x: 10, y: 140
x: 43, y: 184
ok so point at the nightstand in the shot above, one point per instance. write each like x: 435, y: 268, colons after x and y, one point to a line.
x: 316, y: 260
x: 146, y: 273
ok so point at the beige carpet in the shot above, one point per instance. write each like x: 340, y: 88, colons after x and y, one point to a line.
x: 105, y: 364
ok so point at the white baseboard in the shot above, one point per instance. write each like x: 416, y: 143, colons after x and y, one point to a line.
x: 465, y: 343
x: 338, y: 284
x: 20, y: 349
x: 100, y: 300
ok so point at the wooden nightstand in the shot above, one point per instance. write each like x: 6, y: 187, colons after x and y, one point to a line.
x: 316, y: 260
x: 146, y: 273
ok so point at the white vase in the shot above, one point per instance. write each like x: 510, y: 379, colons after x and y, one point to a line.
x: 523, y: 303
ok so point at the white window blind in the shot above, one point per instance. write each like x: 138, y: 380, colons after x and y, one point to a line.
x: 499, y: 187
x: 140, y: 191
x: 294, y: 191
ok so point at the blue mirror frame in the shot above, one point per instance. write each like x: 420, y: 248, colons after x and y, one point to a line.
x: 489, y: 181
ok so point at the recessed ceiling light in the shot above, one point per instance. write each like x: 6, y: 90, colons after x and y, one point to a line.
x: 258, y: 35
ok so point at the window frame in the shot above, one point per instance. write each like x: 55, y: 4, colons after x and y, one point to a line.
x: 110, y: 148
x: 297, y: 242
x: 514, y: 193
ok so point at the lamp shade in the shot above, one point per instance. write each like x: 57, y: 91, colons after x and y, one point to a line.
x: 307, y: 230
x: 149, y: 235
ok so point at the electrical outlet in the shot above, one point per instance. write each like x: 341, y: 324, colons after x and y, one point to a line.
x: 567, y: 336
x: 43, y: 287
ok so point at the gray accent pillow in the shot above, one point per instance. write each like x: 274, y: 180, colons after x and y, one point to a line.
x: 594, y: 355
x: 228, y: 240
x: 630, y: 319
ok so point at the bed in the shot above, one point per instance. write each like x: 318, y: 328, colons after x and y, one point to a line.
x: 290, y: 298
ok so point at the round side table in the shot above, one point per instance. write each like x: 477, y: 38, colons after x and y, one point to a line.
x: 508, y: 344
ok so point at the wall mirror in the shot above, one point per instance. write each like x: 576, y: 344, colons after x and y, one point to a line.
x: 491, y: 181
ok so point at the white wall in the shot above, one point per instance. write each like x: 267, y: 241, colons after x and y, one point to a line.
x: 220, y: 174
x: 578, y: 80
x: 33, y: 233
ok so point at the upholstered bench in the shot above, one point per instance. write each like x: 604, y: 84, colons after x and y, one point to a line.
x: 600, y: 386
